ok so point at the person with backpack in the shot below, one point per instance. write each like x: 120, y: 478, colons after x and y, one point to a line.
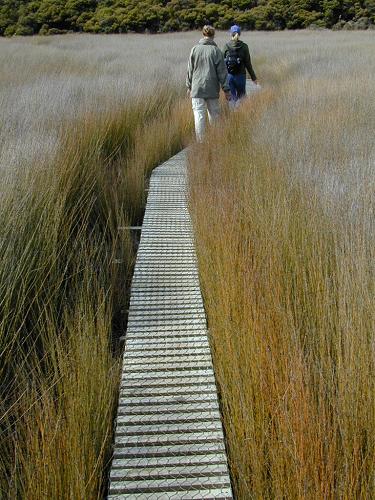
x: 237, y: 58
x: 205, y: 75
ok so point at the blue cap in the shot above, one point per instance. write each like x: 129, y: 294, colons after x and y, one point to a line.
x: 235, y: 29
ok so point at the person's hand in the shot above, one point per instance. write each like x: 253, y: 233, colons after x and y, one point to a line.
x: 228, y: 96
x: 255, y: 82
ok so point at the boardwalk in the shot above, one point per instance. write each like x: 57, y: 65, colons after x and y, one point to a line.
x: 169, y: 439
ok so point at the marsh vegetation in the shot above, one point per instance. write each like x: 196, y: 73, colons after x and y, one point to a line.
x: 81, y: 135
x: 282, y: 197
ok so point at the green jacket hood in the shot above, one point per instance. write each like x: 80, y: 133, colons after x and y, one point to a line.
x: 236, y: 44
x: 207, y: 41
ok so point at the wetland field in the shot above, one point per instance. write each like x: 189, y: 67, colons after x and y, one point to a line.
x: 282, y: 201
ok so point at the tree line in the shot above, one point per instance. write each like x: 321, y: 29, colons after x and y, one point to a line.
x: 20, y: 17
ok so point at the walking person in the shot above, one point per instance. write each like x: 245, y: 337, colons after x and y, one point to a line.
x: 237, y: 58
x: 206, y: 73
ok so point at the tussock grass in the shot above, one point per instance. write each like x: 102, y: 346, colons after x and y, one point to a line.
x: 64, y: 276
x: 282, y: 197
x: 288, y: 283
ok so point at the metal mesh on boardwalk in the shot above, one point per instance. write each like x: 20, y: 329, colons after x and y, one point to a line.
x: 169, y: 440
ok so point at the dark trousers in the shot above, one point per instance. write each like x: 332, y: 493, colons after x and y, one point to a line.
x: 237, y: 85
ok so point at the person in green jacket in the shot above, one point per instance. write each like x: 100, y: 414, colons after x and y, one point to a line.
x: 206, y: 74
x: 237, y: 58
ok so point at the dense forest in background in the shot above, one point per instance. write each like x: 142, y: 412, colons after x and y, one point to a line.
x: 20, y: 17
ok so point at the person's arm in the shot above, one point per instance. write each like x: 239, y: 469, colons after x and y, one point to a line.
x: 224, y: 51
x: 190, y: 70
x: 222, y: 72
x: 249, y: 66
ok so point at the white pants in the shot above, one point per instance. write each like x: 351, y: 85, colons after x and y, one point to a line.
x: 200, y: 109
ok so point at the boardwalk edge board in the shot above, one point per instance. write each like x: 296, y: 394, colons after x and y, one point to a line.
x: 169, y: 441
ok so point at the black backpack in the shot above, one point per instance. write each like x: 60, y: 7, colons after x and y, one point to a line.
x: 233, y: 61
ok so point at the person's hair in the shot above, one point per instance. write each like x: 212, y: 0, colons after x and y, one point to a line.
x: 208, y: 31
x: 235, y: 36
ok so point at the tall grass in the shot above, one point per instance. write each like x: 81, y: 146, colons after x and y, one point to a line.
x: 66, y: 258
x: 282, y: 197
x: 288, y: 289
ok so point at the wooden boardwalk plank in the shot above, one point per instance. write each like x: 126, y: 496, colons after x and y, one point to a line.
x: 169, y: 441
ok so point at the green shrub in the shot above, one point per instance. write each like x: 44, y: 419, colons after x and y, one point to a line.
x: 23, y: 31
x: 113, y: 16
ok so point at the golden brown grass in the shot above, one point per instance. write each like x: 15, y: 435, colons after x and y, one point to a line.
x: 81, y: 135
x: 282, y: 199
x: 64, y: 280
x: 284, y: 218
